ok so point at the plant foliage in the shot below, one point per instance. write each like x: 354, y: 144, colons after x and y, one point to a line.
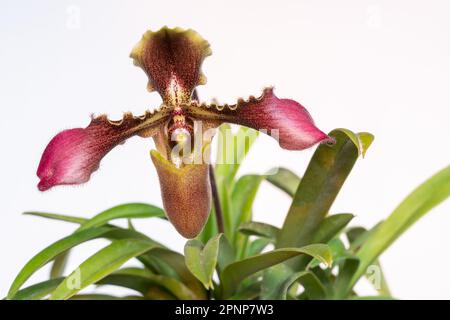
x: 316, y: 254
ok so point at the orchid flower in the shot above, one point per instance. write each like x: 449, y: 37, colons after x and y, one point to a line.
x: 172, y: 60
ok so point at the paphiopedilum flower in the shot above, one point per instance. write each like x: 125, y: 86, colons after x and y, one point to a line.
x: 172, y: 60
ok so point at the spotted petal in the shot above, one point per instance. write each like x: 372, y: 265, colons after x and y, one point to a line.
x: 186, y: 194
x: 72, y: 155
x: 172, y: 58
x: 284, y: 119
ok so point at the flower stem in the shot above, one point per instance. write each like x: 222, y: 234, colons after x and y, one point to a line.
x: 216, y: 199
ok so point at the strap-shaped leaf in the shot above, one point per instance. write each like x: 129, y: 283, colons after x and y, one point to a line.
x: 37, y: 291
x: 362, y: 140
x: 100, y: 265
x: 61, y: 246
x: 330, y: 227
x: 424, y: 198
x: 256, y: 246
x: 365, y: 140
x: 356, y: 237
x: 129, y: 210
x: 232, y: 150
x: 97, y: 296
x: 284, y: 179
x: 175, y: 262
x: 54, y: 216
x: 372, y: 298
x: 347, y: 269
x: 234, y: 273
x: 314, y: 289
x: 59, y: 265
x: 144, y: 282
x: 243, y: 196
x: 272, y: 280
x: 259, y: 229
x: 250, y: 292
x: 324, y: 177
x: 149, y: 285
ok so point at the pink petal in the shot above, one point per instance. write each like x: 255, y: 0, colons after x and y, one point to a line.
x: 296, y: 128
x: 172, y: 58
x: 72, y: 155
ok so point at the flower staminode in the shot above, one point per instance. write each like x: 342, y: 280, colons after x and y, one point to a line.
x: 172, y: 60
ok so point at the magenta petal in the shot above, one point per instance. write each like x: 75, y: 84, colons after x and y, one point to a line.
x: 70, y: 158
x: 296, y: 128
x: 72, y: 155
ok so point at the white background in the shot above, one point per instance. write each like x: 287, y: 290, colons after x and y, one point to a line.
x: 378, y: 66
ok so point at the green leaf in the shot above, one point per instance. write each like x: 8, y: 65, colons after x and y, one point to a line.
x: 157, y: 266
x: 347, y: 269
x: 156, y: 293
x: 176, y: 262
x: 59, y: 265
x: 232, y: 150
x: 225, y: 149
x: 221, y: 172
x: 259, y: 229
x: 143, y: 281
x: 234, y: 273
x: 250, y: 292
x: 314, y: 289
x: 96, y: 296
x: 130, y: 224
x: 226, y: 255
x: 338, y: 251
x: 38, y: 290
x: 128, y: 278
x: 243, y: 195
x: 100, y: 265
x: 383, y: 288
x: 61, y: 246
x: 51, y: 252
x: 331, y: 226
x: 354, y: 233
x: 327, y: 229
x: 356, y: 237
x: 372, y: 298
x: 129, y: 210
x: 54, y: 216
x: 256, y: 246
x: 365, y: 140
x: 210, y: 228
x: 284, y: 179
x: 428, y: 195
x: 326, y: 278
x: 272, y: 280
x: 324, y: 177
x: 362, y: 140
x: 201, y: 260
